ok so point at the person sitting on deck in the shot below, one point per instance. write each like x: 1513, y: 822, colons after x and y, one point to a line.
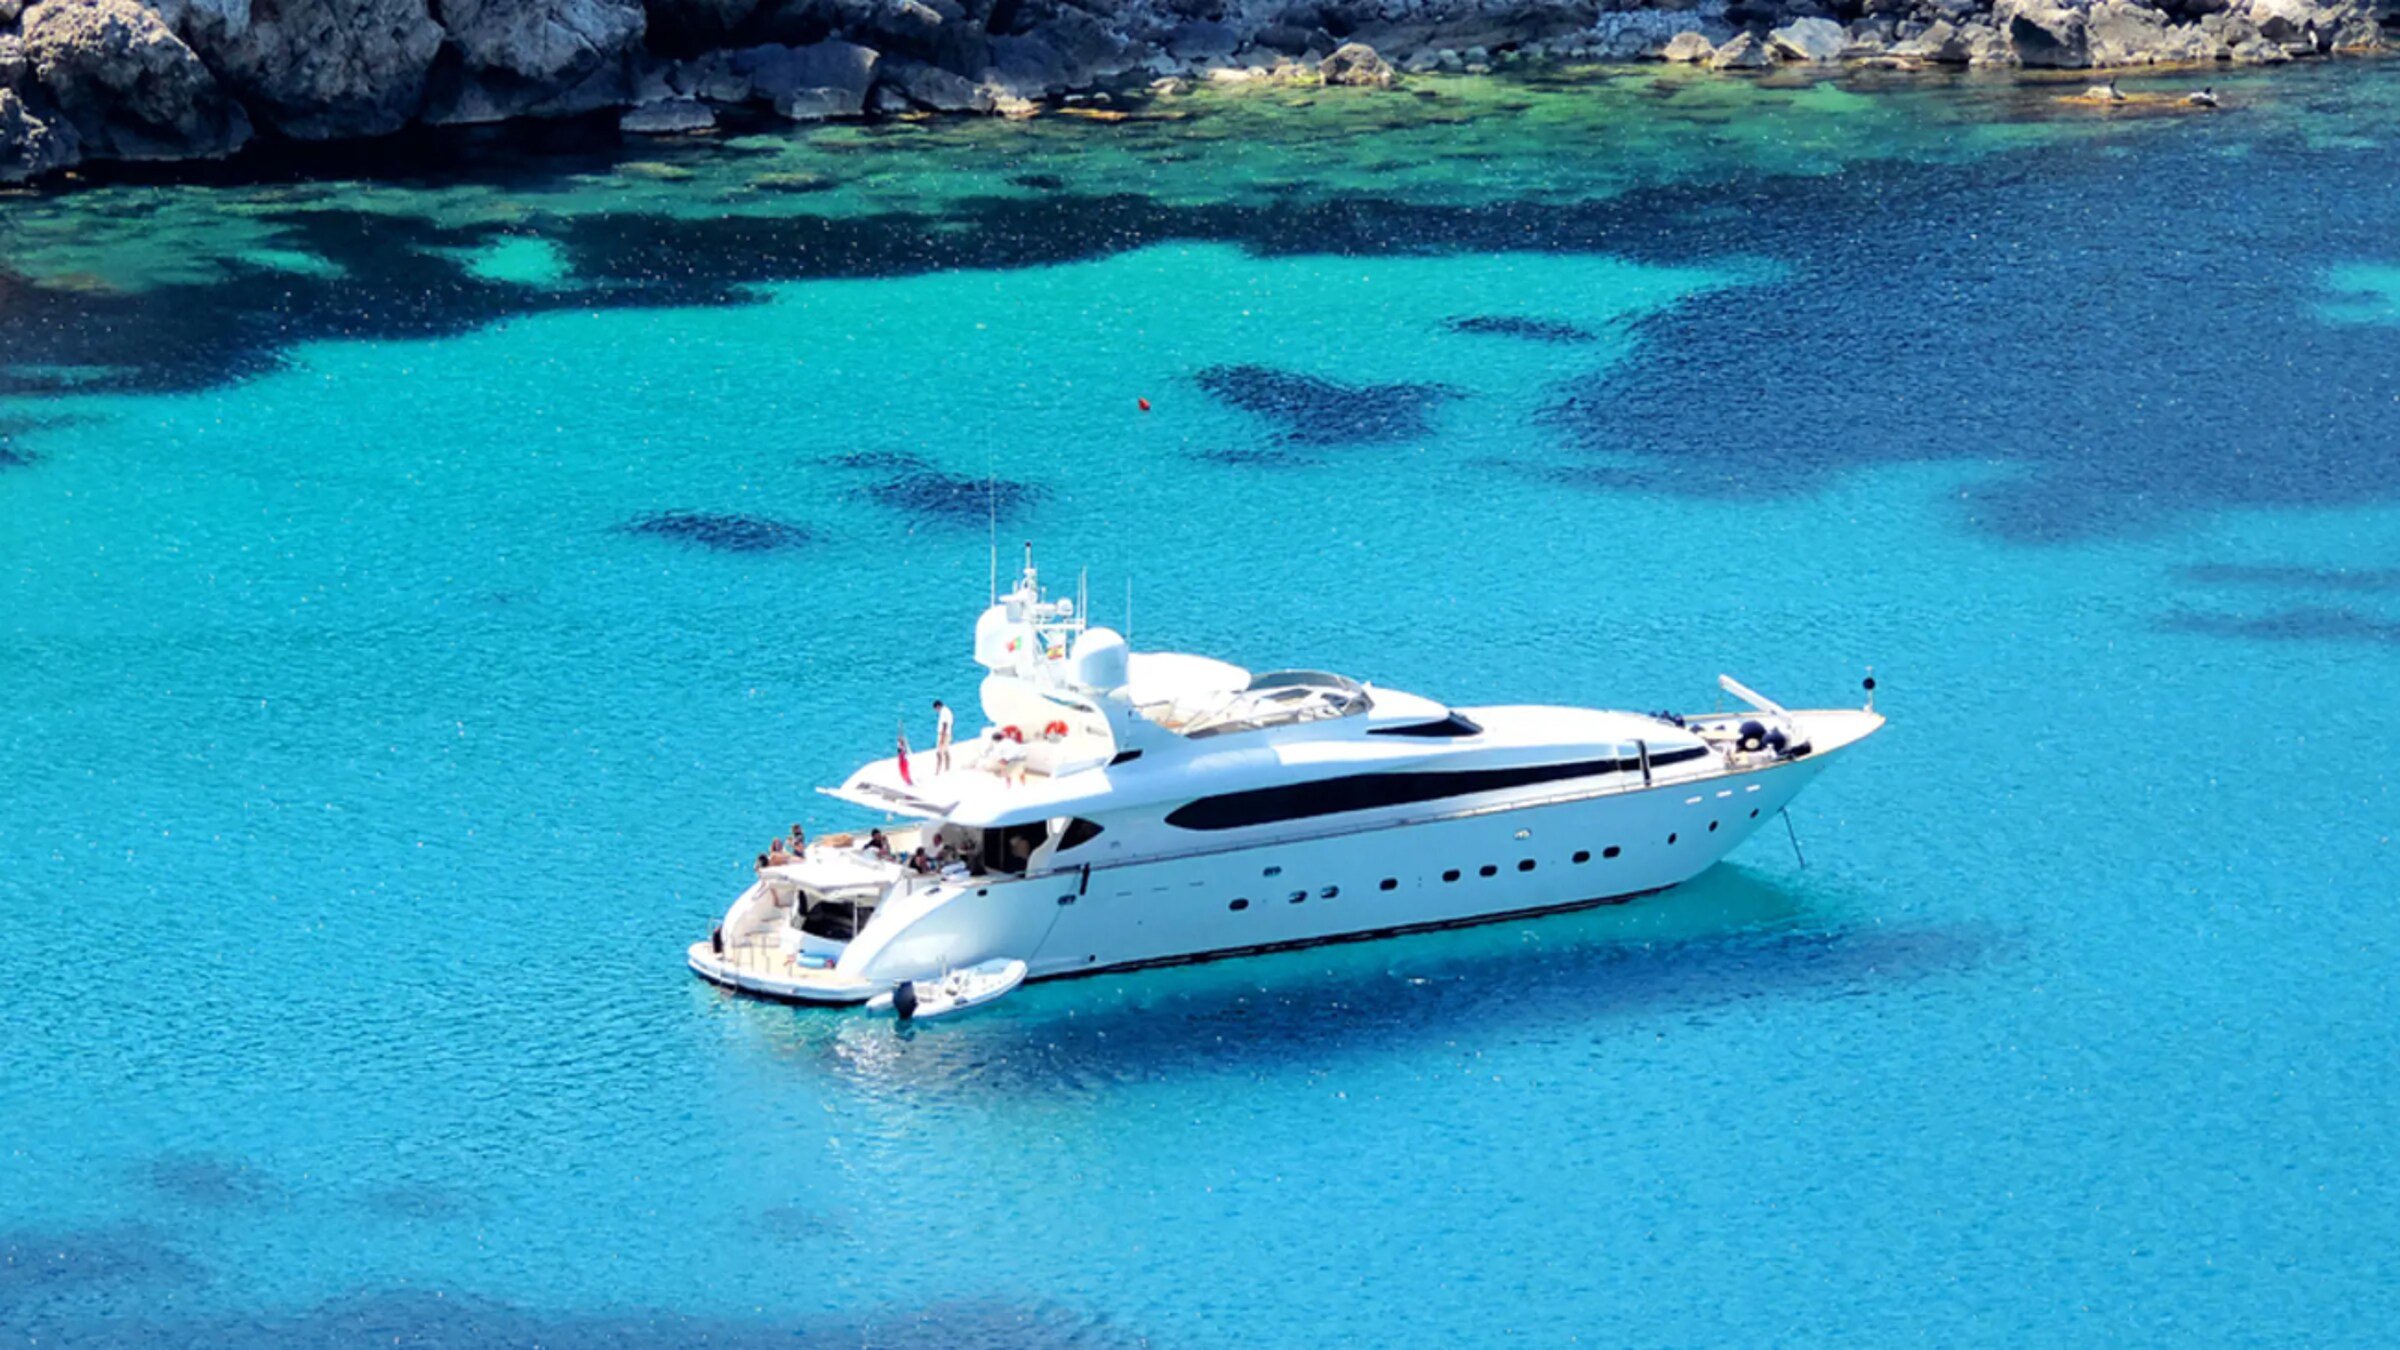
x: 878, y: 846
x: 799, y: 842
x: 762, y: 862
x: 920, y: 863
x: 777, y: 855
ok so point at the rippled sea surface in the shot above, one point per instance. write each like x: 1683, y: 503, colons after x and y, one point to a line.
x: 421, y: 594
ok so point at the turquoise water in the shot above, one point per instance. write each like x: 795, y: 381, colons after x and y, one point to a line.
x: 422, y: 595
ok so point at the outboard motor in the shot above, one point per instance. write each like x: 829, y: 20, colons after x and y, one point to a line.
x: 904, y: 1000
x: 716, y: 940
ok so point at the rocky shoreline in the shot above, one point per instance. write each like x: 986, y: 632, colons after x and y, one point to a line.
x: 98, y: 80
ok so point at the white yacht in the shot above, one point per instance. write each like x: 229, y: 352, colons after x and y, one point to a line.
x: 1128, y: 809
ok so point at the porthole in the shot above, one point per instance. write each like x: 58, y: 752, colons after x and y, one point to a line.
x: 1524, y: 864
x: 1391, y: 883
x: 1670, y: 839
x: 1754, y: 813
x: 1712, y: 827
x: 1239, y: 905
x: 1297, y: 896
x: 1451, y: 875
x: 1583, y: 855
x: 1488, y: 870
x: 1272, y: 872
x: 1329, y: 892
x: 1611, y: 851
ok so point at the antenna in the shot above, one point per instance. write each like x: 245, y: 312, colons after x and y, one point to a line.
x: 1083, y: 596
x: 1129, y: 611
x: 991, y: 507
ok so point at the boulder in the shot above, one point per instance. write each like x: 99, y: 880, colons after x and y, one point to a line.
x: 2260, y: 52
x: 669, y: 117
x: 1941, y: 41
x: 818, y: 105
x: 1631, y: 35
x: 1028, y: 66
x: 128, y: 87
x: 2124, y: 35
x: 933, y: 88
x: 325, y: 69
x: 29, y: 146
x: 1357, y: 65
x: 546, y: 57
x: 1817, y: 41
x: 2307, y: 25
x: 13, y: 67
x: 1988, y: 47
x: 1689, y: 47
x: 2045, y: 36
x: 844, y: 70
x: 1202, y: 40
x: 1085, y: 49
x: 9, y: 10
x: 1744, y: 52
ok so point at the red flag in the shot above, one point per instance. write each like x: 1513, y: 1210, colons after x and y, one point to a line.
x: 904, y: 778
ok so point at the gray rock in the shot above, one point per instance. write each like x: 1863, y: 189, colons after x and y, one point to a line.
x: 1087, y: 50
x: 1987, y: 47
x: 2124, y: 35
x: 1689, y: 47
x: 1202, y: 41
x: 326, y: 69
x: 2045, y: 36
x: 544, y: 57
x: 1744, y: 52
x: 823, y: 79
x: 10, y: 9
x: 933, y: 88
x: 1289, y: 39
x: 1817, y: 41
x: 2260, y: 52
x: 30, y: 147
x: 1028, y: 66
x: 1357, y: 65
x: 13, y: 67
x: 1940, y: 41
x: 128, y: 87
x: 669, y: 117
x: 818, y: 105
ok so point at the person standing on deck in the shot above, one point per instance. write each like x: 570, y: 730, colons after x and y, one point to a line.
x: 941, y: 736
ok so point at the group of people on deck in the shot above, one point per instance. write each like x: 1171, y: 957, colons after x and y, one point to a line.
x: 923, y: 861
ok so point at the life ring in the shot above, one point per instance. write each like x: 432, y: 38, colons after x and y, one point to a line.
x: 1055, y: 729
x: 1012, y: 734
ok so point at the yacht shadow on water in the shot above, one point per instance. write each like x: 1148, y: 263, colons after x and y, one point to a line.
x: 1727, y: 937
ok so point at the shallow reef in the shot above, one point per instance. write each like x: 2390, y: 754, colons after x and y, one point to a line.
x: 1311, y: 410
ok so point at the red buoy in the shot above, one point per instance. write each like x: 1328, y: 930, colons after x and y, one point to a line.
x: 1145, y: 404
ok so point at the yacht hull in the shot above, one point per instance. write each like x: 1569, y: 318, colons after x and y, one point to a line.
x: 1497, y: 861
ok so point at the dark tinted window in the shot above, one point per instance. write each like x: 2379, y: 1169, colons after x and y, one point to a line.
x: 1611, y: 851
x: 1456, y: 724
x: 1488, y: 870
x: 1391, y: 883
x: 1451, y: 875
x: 1368, y: 791
x: 1239, y: 904
x: 1079, y: 832
x: 1583, y: 855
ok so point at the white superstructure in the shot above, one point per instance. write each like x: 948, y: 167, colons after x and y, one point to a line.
x: 1132, y: 808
